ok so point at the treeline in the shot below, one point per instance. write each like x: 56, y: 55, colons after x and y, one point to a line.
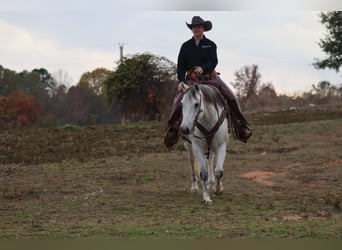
x: 35, y: 97
x: 142, y: 87
x: 101, y: 96
x: 257, y: 96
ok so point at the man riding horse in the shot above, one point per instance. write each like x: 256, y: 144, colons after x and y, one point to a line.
x: 197, y: 60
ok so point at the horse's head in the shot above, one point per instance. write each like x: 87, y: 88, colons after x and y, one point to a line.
x: 192, y: 107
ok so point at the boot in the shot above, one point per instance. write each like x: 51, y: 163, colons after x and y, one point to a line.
x: 242, y: 130
x: 171, y: 135
x: 240, y: 124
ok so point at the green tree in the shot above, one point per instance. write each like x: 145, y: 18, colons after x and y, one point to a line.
x: 38, y: 82
x: 30, y: 83
x: 46, y: 82
x: 331, y: 44
x: 135, y: 78
x: 9, y: 81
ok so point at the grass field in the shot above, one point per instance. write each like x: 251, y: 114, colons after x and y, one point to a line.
x: 120, y: 182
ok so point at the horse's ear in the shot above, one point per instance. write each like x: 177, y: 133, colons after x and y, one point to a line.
x: 184, y: 86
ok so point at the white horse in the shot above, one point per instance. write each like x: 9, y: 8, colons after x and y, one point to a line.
x: 205, y: 128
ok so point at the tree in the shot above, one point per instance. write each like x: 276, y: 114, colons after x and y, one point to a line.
x: 94, y: 80
x: 46, y: 82
x: 247, y: 80
x: 324, y: 89
x: 267, y: 90
x: 18, y: 109
x: 38, y: 82
x: 62, y: 78
x: 9, y: 81
x: 138, y: 78
x: 83, y: 105
x: 332, y: 43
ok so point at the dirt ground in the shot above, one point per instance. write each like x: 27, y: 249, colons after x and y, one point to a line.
x: 119, y: 182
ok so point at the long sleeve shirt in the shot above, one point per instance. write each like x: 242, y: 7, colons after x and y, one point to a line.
x: 191, y: 55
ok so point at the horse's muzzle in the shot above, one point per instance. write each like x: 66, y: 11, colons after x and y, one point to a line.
x: 185, y: 130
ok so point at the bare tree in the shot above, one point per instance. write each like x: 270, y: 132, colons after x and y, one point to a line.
x: 62, y: 78
x: 247, y: 80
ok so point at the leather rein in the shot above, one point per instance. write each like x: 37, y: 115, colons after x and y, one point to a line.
x: 208, y: 135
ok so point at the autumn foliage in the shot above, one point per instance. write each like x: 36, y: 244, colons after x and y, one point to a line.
x: 18, y: 110
x: 142, y: 87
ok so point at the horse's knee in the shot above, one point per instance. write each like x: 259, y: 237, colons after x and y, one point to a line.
x: 218, y: 174
x: 204, y: 175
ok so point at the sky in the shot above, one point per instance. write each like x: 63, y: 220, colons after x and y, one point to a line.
x: 77, y: 36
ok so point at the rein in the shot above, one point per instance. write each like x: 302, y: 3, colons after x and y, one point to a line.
x: 209, y: 135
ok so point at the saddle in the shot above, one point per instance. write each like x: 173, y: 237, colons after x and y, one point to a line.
x: 208, y: 79
x: 192, y: 76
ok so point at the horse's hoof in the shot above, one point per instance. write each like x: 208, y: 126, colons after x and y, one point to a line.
x: 194, y: 187
x: 219, y: 192
x: 207, y: 202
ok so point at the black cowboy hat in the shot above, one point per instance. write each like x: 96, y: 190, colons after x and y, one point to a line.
x: 197, y: 20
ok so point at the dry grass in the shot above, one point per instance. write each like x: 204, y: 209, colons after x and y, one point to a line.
x: 119, y: 182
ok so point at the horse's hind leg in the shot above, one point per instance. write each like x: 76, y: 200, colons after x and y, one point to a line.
x: 194, y: 167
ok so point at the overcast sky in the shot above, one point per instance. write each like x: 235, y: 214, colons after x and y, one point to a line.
x: 76, y: 38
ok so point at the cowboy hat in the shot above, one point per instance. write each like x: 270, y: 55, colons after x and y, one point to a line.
x: 197, y: 20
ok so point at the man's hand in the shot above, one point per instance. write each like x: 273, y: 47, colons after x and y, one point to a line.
x: 198, y: 70
x: 180, y: 88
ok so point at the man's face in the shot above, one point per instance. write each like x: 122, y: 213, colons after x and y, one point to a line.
x: 197, y: 30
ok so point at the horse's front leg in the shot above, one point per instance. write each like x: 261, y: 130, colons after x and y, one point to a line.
x: 195, y: 180
x: 204, y: 177
x: 220, y: 157
x: 191, y: 157
x: 204, y: 174
x: 211, y: 177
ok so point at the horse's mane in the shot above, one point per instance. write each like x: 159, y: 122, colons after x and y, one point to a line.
x: 210, y: 94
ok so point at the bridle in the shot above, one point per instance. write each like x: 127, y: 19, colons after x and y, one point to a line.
x: 200, y: 110
x: 208, y: 135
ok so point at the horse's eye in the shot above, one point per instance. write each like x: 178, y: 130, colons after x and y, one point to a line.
x: 196, y: 105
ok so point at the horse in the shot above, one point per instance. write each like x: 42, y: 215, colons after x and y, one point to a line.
x: 205, y: 130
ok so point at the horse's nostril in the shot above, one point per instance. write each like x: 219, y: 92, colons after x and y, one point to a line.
x: 185, y: 130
